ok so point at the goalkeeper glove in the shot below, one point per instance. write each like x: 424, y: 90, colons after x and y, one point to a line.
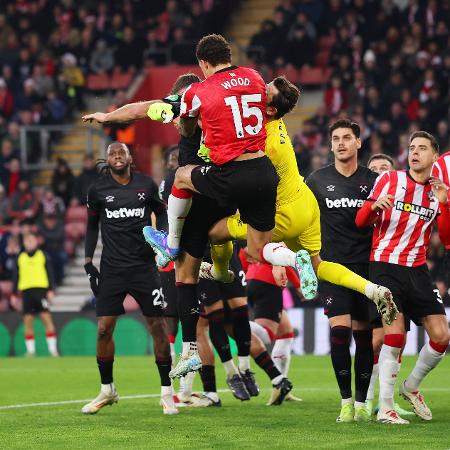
x: 203, y: 152
x: 161, y: 112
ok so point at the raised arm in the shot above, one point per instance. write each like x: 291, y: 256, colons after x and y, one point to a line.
x: 126, y: 113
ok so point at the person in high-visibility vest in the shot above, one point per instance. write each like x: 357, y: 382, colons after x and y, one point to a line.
x: 34, y: 280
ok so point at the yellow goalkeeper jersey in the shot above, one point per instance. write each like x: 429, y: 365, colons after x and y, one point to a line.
x: 281, y: 152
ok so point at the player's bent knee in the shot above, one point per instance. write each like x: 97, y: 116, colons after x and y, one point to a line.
x: 104, y: 333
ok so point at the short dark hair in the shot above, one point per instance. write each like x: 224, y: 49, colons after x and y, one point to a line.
x: 426, y: 135
x: 184, y: 81
x: 117, y: 143
x: 380, y: 156
x: 345, y: 123
x: 287, y: 96
x: 214, y: 49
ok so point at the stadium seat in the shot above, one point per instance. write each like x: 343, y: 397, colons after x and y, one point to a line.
x: 290, y: 72
x: 75, y: 231
x: 326, y: 43
x: 322, y: 59
x: 121, y: 80
x: 76, y: 214
x: 6, y: 288
x: 96, y: 82
x: 313, y: 76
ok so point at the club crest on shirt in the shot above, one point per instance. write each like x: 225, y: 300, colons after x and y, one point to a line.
x: 431, y: 196
x: 363, y: 188
x: 109, y: 198
x: 141, y: 195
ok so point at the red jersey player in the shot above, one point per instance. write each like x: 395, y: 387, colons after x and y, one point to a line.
x: 403, y: 206
x: 441, y: 170
x: 230, y: 103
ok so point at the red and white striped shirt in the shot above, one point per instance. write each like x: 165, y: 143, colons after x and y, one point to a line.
x: 441, y: 168
x: 402, y: 233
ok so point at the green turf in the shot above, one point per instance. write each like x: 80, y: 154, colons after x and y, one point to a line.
x: 139, y: 423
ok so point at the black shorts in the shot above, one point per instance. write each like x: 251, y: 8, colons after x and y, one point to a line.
x: 35, y: 301
x: 266, y: 300
x: 204, y: 213
x: 412, y: 288
x: 170, y: 293
x: 339, y: 300
x: 142, y: 283
x: 210, y: 292
x: 251, y: 185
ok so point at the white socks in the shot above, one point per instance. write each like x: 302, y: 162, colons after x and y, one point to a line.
x: 173, y: 354
x: 186, y: 383
x: 244, y: 363
x: 373, y: 382
x: 281, y: 354
x: 189, y: 347
x: 108, y: 388
x: 278, y: 255
x: 51, y: 343
x: 428, y: 359
x: 177, y: 210
x: 388, y: 368
x: 166, y: 390
x: 230, y: 368
x: 30, y: 344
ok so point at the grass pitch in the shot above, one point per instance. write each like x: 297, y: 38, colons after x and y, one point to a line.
x: 139, y: 422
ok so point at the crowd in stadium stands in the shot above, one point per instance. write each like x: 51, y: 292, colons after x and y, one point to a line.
x: 386, y: 64
x: 387, y: 67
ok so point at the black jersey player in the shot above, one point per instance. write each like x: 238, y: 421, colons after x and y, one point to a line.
x: 341, y: 189
x: 120, y: 203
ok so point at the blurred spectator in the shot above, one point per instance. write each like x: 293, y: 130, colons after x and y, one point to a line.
x: 87, y: 176
x: 11, y: 246
x: 4, y: 205
x: 28, y: 98
x: 51, y: 205
x: 128, y: 55
x: 63, y: 181
x: 263, y: 46
x: 443, y: 136
x: 6, y: 101
x: 183, y: 51
x: 13, y: 176
x: 55, y: 109
x: 13, y: 134
x: 51, y: 228
x: 335, y: 97
x: 43, y: 83
x: 102, y: 59
x: 155, y: 52
x: 299, y: 48
x: 72, y: 80
x: 24, y: 204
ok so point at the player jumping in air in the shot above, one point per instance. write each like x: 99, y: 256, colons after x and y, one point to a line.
x: 297, y: 220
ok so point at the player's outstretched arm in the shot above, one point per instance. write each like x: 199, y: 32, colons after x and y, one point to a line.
x: 126, y: 113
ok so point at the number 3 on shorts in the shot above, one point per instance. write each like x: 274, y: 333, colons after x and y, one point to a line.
x: 247, y: 111
x: 438, y: 295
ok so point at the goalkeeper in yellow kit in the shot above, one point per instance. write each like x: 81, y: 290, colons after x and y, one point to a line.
x: 297, y: 220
